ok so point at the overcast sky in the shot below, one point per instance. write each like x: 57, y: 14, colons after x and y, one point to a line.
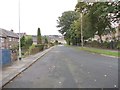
x: 34, y: 14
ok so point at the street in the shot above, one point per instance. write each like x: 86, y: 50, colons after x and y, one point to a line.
x: 69, y: 67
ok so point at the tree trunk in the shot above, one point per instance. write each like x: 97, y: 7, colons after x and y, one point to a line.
x: 101, y: 41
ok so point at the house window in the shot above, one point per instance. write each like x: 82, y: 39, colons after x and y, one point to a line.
x: 10, y: 39
x: 13, y: 39
x: 1, y: 39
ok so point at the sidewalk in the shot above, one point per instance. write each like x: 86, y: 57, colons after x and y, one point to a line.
x: 8, y: 73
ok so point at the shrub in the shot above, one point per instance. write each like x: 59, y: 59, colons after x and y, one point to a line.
x: 45, y: 46
x: 95, y: 44
x: 106, y: 45
x: 40, y: 47
x: 51, y: 44
x: 118, y: 45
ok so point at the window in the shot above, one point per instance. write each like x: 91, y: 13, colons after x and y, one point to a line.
x: 10, y: 39
x: 1, y: 39
x: 13, y: 39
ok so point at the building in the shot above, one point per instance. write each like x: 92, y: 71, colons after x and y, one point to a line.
x: 59, y: 38
x: 34, y: 38
x: 22, y: 34
x: 51, y: 38
x: 8, y: 39
x: 110, y: 36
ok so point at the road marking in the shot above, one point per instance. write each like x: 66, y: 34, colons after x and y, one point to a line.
x: 88, y: 72
x: 115, y: 85
x: 105, y: 75
x: 60, y: 82
x: 95, y: 80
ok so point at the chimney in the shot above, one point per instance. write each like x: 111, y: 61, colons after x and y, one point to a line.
x: 12, y: 30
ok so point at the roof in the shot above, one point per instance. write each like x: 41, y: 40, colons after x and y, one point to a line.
x: 21, y: 34
x: 34, y: 37
x: 6, y: 33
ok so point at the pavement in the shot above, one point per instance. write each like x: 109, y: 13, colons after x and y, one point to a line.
x: 69, y: 67
x: 10, y: 72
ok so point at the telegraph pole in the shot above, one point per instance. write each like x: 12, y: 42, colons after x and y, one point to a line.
x: 19, y: 32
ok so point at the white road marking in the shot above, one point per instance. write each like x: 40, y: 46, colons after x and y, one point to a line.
x: 115, y: 85
x: 60, y: 82
x: 88, y: 72
x: 95, y: 80
x: 105, y: 75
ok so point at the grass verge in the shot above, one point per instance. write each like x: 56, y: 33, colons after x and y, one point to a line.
x: 101, y: 51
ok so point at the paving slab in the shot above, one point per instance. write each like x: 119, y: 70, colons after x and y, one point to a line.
x: 10, y: 72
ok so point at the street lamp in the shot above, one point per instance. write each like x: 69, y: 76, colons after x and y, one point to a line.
x: 81, y: 31
x: 81, y: 25
x: 19, y: 32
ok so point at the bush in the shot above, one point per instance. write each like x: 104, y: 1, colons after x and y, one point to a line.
x: 105, y: 45
x: 32, y: 49
x: 40, y: 47
x: 51, y: 44
x: 95, y: 44
x: 118, y: 45
x: 46, y: 46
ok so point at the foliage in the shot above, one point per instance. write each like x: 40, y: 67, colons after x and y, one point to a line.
x: 46, y: 40
x: 65, y: 21
x: 28, y: 41
x: 97, y: 19
x: 40, y: 47
x: 39, y: 38
x: 56, y: 42
x: 22, y: 41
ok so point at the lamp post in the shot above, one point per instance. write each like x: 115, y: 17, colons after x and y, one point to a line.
x: 81, y: 31
x: 19, y: 32
x: 82, y: 43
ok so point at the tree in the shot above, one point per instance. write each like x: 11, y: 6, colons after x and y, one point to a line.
x: 28, y: 41
x: 22, y: 40
x: 39, y: 38
x: 64, y: 23
x: 96, y: 19
x: 46, y: 40
x: 56, y: 42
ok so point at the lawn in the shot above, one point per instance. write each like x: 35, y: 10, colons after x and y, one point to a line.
x: 101, y: 51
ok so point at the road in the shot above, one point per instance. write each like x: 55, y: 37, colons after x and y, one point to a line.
x: 69, y: 67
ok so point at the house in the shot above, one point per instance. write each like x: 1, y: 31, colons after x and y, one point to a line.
x: 21, y: 34
x: 34, y: 38
x: 8, y: 39
x: 59, y: 38
x: 51, y: 38
x: 110, y: 36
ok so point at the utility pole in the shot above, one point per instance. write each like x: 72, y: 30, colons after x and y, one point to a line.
x: 19, y: 31
x: 81, y: 31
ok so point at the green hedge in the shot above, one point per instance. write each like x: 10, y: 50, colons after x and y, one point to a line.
x: 40, y: 47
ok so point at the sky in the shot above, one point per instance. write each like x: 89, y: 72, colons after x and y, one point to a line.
x: 33, y: 14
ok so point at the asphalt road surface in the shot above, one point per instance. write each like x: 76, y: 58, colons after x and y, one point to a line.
x: 69, y: 67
